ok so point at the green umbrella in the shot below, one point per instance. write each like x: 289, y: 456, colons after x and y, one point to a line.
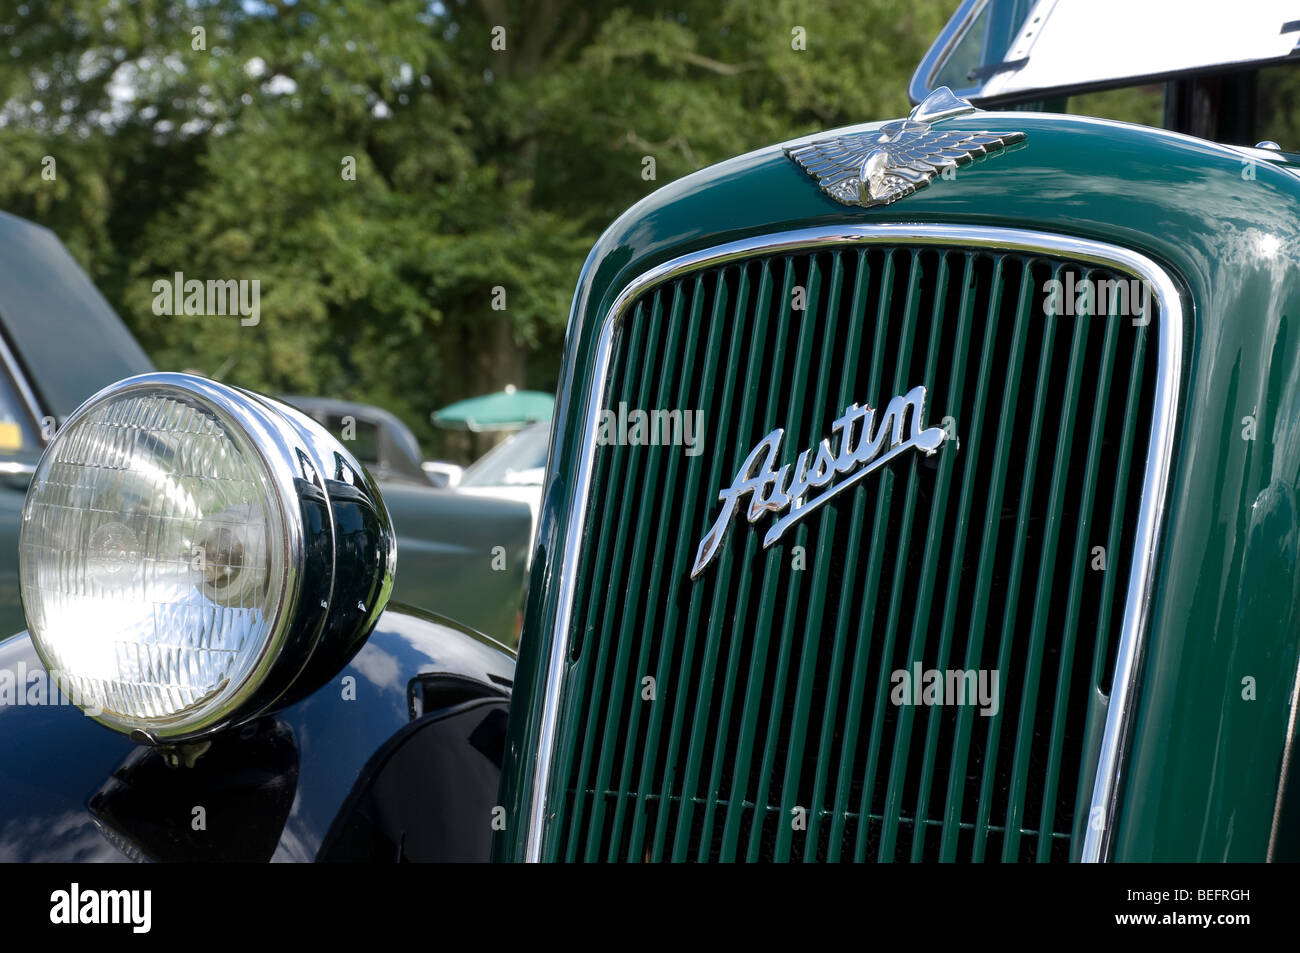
x: 509, y: 409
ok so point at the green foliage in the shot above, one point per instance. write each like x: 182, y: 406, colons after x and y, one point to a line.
x: 211, y: 137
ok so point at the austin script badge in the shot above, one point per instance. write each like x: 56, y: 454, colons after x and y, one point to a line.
x: 866, y: 443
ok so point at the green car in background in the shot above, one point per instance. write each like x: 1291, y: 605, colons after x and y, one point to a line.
x: 463, y: 549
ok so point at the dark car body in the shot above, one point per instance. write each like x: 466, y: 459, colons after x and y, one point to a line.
x: 396, y: 759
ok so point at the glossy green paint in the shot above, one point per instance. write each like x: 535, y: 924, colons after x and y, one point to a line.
x: 463, y: 555
x: 1201, y: 777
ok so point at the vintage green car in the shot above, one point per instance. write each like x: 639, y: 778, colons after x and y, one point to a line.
x: 921, y: 490
x: 991, y: 548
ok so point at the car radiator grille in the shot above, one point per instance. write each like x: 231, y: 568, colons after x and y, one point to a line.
x: 768, y: 732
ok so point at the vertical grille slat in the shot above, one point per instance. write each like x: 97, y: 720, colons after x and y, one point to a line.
x: 1042, y: 602
x: 809, y: 326
x: 1029, y: 472
x: 916, y: 642
x: 988, y: 548
x: 1047, y: 813
x: 992, y: 524
x: 754, y: 381
x: 679, y: 563
x: 703, y: 697
x: 684, y: 352
x: 857, y: 680
x: 640, y: 370
x: 856, y: 317
x: 589, y: 583
x: 901, y: 548
x: 947, y: 465
x: 735, y: 814
x: 625, y: 681
x: 825, y: 544
x: 957, y: 765
x: 1109, y: 604
x: 817, y: 599
x: 774, y: 731
x: 676, y: 807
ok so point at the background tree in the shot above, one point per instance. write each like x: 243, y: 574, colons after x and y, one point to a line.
x: 491, y: 140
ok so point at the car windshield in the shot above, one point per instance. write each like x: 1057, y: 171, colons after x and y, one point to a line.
x: 1002, y: 51
x: 519, y: 461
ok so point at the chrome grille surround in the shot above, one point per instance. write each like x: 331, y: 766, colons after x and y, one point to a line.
x: 1154, y: 487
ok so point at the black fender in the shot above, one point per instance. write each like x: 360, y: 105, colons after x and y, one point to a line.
x: 398, y: 757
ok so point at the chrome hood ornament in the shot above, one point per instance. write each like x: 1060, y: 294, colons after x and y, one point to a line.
x: 886, y: 164
x: 862, y: 450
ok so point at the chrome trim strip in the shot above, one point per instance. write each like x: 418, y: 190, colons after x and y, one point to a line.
x: 24, y: 388
x: 1154, y: 487
x: 952, y: 33
x: 1288, y: 752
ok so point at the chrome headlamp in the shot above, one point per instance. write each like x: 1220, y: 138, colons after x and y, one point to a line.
x: 193, y: 555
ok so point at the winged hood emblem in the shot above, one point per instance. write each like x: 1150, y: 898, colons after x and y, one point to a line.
x: 886, y: 164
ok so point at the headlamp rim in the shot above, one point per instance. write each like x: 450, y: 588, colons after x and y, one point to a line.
x: 283, y: 459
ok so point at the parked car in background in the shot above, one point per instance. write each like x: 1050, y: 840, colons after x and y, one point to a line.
x: 377, y: 438
x: 512, y: 470
x: 442, y: 472
x: 463, y: 551
x: 465, y: 554
x: 61, y: 342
